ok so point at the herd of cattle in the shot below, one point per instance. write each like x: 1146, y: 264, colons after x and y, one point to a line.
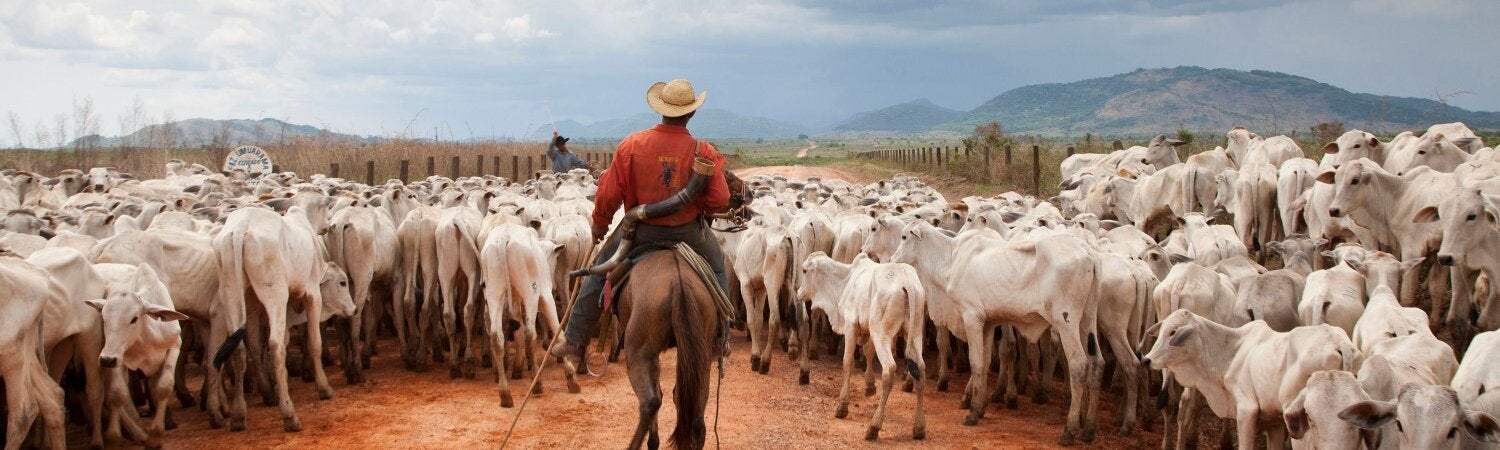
x: 119, y: 284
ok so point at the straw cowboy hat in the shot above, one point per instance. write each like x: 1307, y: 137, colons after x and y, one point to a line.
x: 674, y: 98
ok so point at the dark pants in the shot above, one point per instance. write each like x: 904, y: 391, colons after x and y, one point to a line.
x: 586, y: 306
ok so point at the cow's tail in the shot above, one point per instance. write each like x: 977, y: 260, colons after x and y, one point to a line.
x: 1192, y: 190
x: 466, y: 241
x: 694, y: 357
x: 232, y: 284
x: 916, y: 325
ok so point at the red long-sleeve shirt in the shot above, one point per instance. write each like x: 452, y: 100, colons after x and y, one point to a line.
x: 651, y: 165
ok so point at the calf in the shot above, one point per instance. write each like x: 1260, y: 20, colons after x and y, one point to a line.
x: 1386, y: 204
x: 1216, y: 361
x: 1427, y: 417
x: 1385, y: 319
x: 1293, y: 178
x: 1312, y: 419
x: 1477, y: 381
x: 876, y: 303
x: 1469, y: 227
x: 29, y: 391
x: 1333, y: 296
x: 516, y: 266
x: 141, y: 333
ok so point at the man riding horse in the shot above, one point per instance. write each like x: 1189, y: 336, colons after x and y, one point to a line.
x: 650, y: 167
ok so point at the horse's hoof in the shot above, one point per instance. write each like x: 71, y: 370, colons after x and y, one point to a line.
x: 325, y: 395
x: 907, y: 386
x: 842, y: 412
x: 869, y: 390
x: 291, y: 425
x: 755, y: 364
x: 573, y: 387
x: 872, y: 434
x: 942, y: 386
x: 918, y: 433
x: 537, y: 390
x: 804, y: 378
x: 971, y: 421
x: 1012, y: 403
x: 236, y: 425
x: 506, y: 401
x: 1066, y: 440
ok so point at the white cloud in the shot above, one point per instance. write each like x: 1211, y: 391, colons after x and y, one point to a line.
x: 484, y: 37
x: 519, y: 29
x: 234, y: 33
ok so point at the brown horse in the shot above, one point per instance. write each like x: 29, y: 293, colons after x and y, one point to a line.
x: 665, y: 305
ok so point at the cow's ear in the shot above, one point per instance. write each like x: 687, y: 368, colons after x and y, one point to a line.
x: 536, y: 225
x: 1482, y: 426
x: 1356, y: 264
x: 1426, y: 215
x: 935, y: 221
x: 98, y: 305
x: 1175, y: 143
x: 1327, y: 176
x: 1296, y: 417
x: 1109, y: 224
x: 1369, y: 414
x: 1412, y: 264
x: 1330, y: 148
x: 164, y: 313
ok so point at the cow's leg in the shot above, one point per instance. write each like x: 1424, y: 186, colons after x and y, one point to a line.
x: 773, y: 316
x: 850, y: 343
x: 979, y: 364
x: 190, y: 333
x: 1276, y: 435
x: 869, y: 347
x: 1049, y: 349
x: 914, y: 343
x: 273, y: 298
x: 1187, y: 419
x: 1127, y: 363
x: 496, y: 329
x: 804, y: 335
x: 1461, y: 309
x: 353, y: 368
x: 47, y: 395
x: 213, y: 379
x: 943, y: 338
x: 21, y: 403
x: 161, y: 390
x: 1080, y: 376
x: 1010, y: 361
x: 450, y: 326
x: 471, y: 353
x: 550, y: 319
x: 754, y: 314
x: 314, y: 308
x: 1410, y: 281
x: 255, y: 346
x: 882, y: 346
x: 1247, y: 418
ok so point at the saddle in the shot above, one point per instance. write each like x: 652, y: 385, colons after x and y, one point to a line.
x: 614, y: 282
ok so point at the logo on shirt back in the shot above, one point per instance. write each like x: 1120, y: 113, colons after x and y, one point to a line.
x: 668, y: 169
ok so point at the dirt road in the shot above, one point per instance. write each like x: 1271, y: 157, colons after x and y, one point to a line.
x: 802, y: 172
x: 401, y: 409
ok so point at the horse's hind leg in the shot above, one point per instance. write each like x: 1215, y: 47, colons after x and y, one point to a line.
x: 644, y: 370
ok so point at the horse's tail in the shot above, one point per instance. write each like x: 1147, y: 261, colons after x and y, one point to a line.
x: 693, y: 361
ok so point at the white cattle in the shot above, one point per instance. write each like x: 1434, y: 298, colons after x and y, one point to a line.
x: 273, y: 259
x: 1250, y: 373
x: 1293, y: 178
x: 574, y: 233
x: 766, y: 273
x: 1413, y: 358
x: 1049, y: 281
x: 1334, y: 296
x: 1273, y: 296
x: 1428, y: 417
x: 1459, y: 133
x: 141, y: 333
x: 20, y: 244
x: 1200, y: 186
x: 1386, y: 204
x: 1248, y: 148
x: 1312, y: 419
x: 1350, y: 146
x: 1149, y: 200
x: 516, y: 267
x: 362, y: 241
x: 1469, y: 226
x: 1124, y: 301
x: 1254, y: 204
x: 29, y: 391
x: 1432, y: 150
x: 875, y: 303
x: 457, y: 268
x: 70, y: 329
x: 1386, y: 319
x: 1477, y: 381
x: 419, y: 262
x: 1198, y: 289
x: 1207, y: 243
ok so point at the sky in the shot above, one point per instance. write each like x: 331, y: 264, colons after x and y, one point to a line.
x: 502, y: 68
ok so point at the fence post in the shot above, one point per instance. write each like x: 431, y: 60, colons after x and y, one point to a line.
x: 940, y: 152
x: 497, y: 165
x: 515, y: 168
x: 453, y: 167
x: 1070, y: 150
x: 333, y: 170
x: 479, y: 166
x: 431, y: 166
x: 530, y: 171
x: 370, y: 173
x: 1036, y: 170
x: 405, y: 168
x: 1007, y: 155
x: 986, y: 163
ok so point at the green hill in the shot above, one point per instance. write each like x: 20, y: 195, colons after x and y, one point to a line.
x: 913, y: 116
x: 1150, y: 101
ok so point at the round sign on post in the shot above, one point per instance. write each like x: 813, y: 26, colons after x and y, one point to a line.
x: 248, y: 158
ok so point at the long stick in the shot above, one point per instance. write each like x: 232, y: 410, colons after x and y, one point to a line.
x: 548, y: 107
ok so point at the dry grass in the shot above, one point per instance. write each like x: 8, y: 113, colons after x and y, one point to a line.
x: 310, y: 156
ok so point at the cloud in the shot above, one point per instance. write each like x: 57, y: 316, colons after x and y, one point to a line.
x: 520, y: 29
